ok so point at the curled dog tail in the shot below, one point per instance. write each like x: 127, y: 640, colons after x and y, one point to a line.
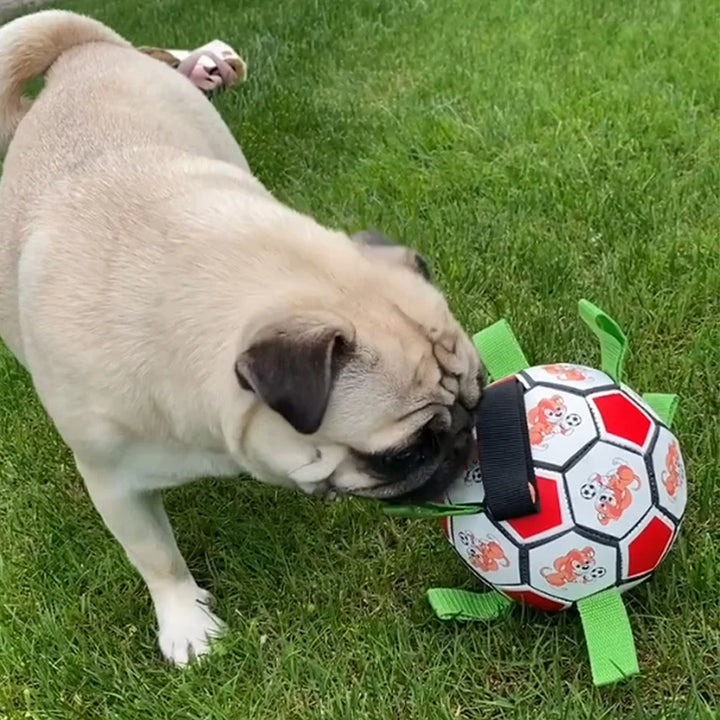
x: 29, y: 45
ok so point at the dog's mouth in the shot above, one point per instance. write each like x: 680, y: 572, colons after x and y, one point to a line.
x: 430, y: 481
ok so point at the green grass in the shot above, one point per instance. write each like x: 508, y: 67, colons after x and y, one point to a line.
x: 537, y: 152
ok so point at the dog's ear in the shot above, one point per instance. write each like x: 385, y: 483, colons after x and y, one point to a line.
x: 292, y: 365
x: 376, y: 245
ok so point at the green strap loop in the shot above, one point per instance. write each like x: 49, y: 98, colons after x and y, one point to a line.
x: 608, y: 636
x: 433, y: 510
x: 664, y: 404
x: 499, y: 350
x: 613, y: 343
x: 450, y: 604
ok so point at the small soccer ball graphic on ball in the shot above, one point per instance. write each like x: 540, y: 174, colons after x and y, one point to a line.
x: 573, y: 420
x: 611, y: 486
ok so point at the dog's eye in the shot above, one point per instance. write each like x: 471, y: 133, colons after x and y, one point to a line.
x: 401, y: 460
x: 423, y: 448
x: 410, y: 456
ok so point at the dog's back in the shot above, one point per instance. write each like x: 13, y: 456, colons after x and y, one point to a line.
x: 100, y: 95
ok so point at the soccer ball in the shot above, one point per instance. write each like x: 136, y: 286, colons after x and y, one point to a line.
x: 611, y: 486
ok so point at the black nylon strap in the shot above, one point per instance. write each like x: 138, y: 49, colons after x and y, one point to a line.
x: 504, y: 451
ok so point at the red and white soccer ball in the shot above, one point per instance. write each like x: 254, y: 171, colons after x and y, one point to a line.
x: 612, y: 490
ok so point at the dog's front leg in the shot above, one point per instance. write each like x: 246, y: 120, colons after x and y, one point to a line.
x: 138, y: 520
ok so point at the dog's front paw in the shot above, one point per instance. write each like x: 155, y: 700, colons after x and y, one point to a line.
x: 187, y: 625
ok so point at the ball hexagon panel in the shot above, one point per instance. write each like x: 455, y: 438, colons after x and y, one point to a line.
x: 646, y: 546
x: 622, y: 420
x: 560, y: 425
x: 575, y: 377
x: 638, y: 399
x: 534, y: 598
x: 670, y: 474
x: 445, y: 525
x: 469, y: 489
x: 572, y: 567
x: 609, y: 489
x: 554, y: 516
x: 486, y: 550
x: 630, y: 584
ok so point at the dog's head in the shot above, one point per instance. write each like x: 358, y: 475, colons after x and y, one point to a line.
x: 367, y: 384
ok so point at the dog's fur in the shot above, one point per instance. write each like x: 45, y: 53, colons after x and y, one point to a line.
x: 178, y: 321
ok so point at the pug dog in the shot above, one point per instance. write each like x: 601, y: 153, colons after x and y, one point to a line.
x: 179, y: 321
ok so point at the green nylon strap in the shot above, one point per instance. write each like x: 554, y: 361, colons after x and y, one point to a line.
x: 613, y: 343
x: 664, y: 404
x: 499, y: 350
x: 608, y: 636
x: 433, y: 510
x: 450, y: 604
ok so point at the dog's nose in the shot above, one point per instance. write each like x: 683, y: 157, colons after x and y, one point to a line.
x: 462, y: 444
x: 482, y: 376
x: 460, y: 419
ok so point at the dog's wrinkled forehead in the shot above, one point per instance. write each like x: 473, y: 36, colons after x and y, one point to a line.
x: 447, y: 358
x: 448, y: 368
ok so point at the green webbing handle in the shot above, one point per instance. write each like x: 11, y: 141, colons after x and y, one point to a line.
x: 499, y: 350
x: 608, y: 636
x: 613, y: 343
x: 450, y: 604
x: 664, y: 404
x: 433, y: 510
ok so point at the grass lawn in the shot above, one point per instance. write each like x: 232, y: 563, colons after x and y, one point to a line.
x: 537, y: 151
